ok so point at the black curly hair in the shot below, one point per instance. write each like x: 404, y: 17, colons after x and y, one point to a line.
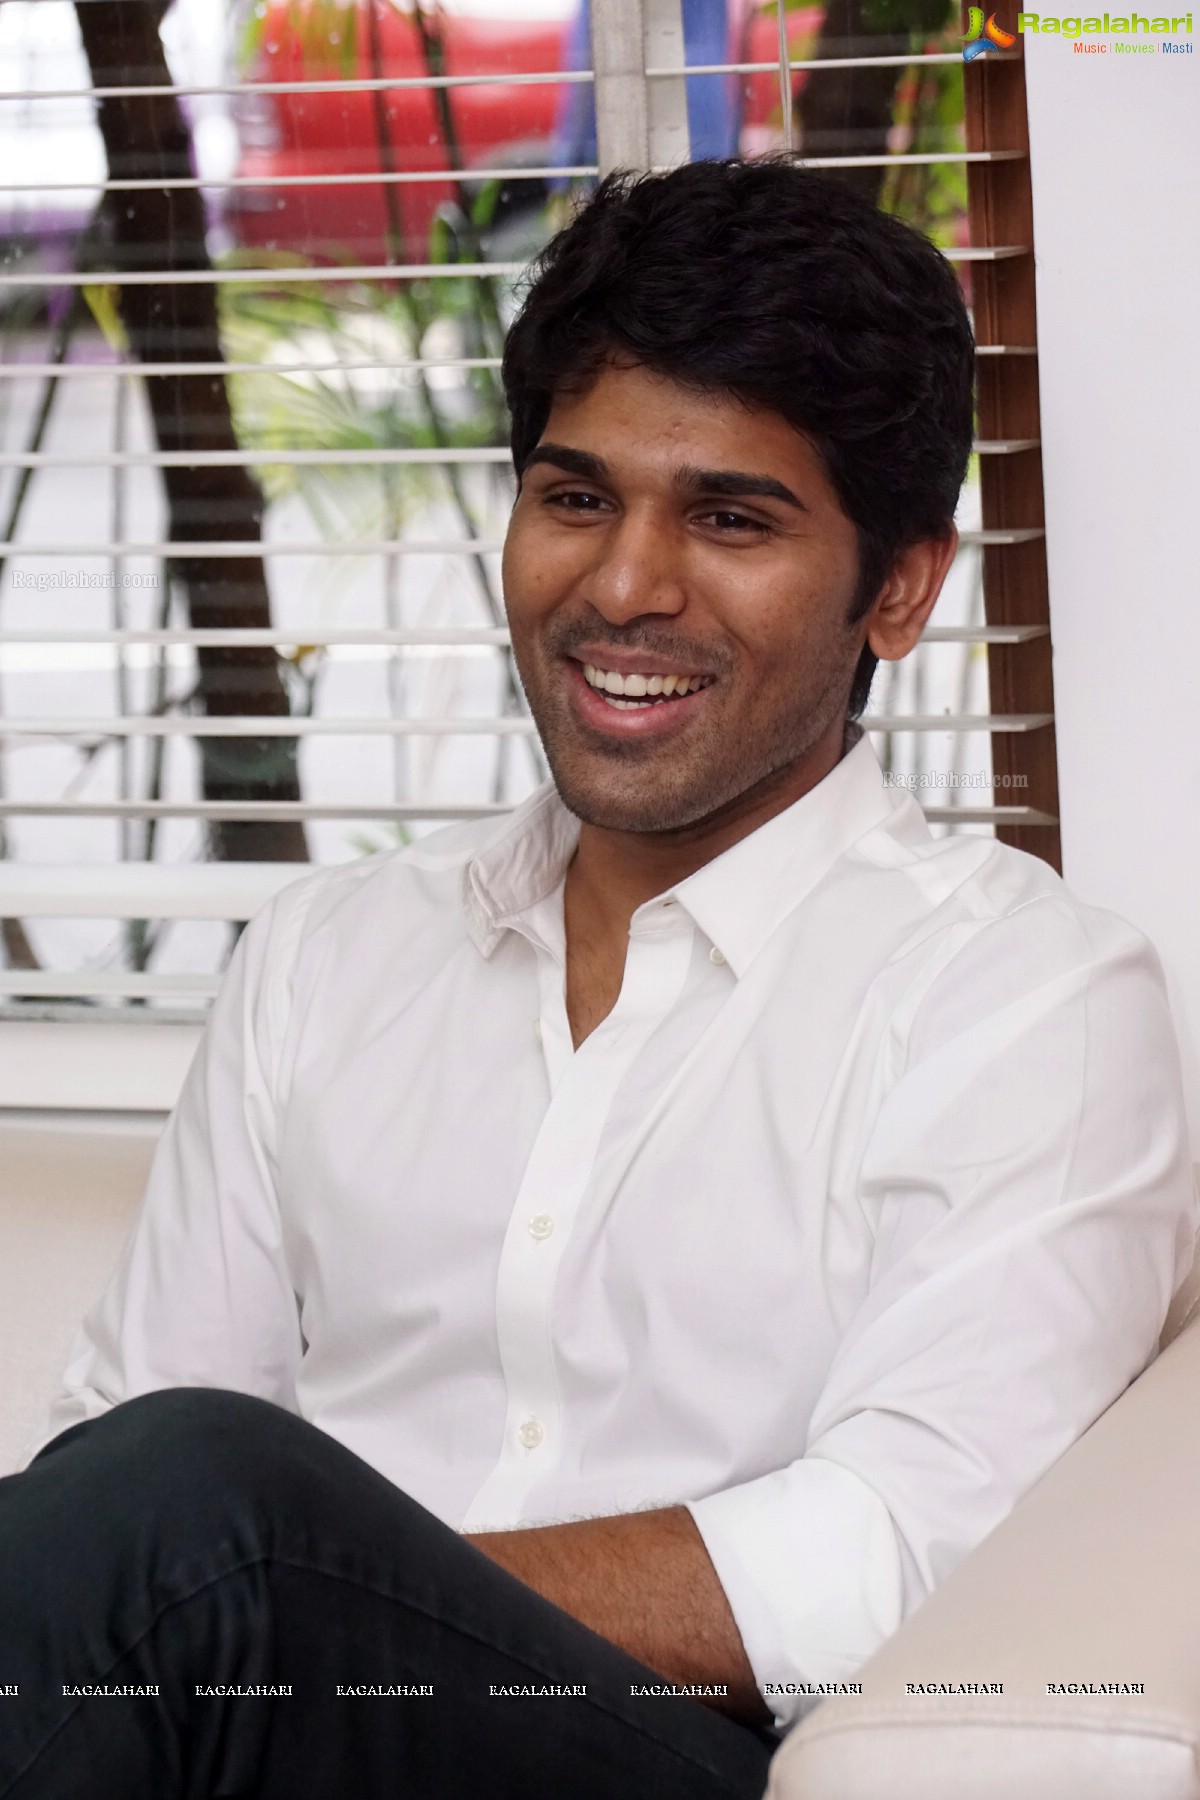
x: 779, y: 285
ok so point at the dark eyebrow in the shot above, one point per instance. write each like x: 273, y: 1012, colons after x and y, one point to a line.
x: 725, y: 484
x: 573, y: 462
x: 732, y: 484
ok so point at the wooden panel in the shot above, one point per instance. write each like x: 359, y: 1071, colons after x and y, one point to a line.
x: 1015, y: 587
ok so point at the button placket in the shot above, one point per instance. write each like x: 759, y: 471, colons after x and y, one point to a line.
x: 556, y: 1182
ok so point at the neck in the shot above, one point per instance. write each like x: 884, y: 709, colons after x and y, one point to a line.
x: 615, y: 872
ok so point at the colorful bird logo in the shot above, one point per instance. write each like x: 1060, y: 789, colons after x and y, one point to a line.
x: 981, y: 36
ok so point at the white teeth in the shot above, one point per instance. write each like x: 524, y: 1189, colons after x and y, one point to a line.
x: 630, y: 689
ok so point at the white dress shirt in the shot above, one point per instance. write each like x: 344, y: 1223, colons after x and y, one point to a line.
x: 869, y: 1195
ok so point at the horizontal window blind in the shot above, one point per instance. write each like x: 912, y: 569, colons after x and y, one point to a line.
x: 253, y: 472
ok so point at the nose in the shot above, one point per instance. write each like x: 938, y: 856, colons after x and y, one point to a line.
x: 638, y: 569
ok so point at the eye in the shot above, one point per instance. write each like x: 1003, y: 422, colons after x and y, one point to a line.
x: 733, y: 523
x: 575, y: 500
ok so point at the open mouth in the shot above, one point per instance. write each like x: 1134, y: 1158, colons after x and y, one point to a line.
x: 630, y: 693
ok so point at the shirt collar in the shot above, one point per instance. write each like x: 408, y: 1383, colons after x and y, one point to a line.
x: 520, y: 866
x: 738, y: 899
x: 741, y: 897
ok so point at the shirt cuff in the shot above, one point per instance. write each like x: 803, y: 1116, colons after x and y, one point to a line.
x: 810, y: 1564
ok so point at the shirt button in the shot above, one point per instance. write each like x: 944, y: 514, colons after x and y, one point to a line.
x: 714, y: 956
x: 540, y: 1226
x: 530, y: 1434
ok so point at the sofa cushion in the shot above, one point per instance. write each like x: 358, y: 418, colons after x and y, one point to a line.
x: 67, y: 1197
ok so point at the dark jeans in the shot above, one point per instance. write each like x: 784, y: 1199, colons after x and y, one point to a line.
x: 195, y: 1538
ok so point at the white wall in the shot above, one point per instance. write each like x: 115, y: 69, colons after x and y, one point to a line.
x: 1116, y: 189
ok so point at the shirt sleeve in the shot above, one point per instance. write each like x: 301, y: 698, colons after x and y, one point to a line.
x: 1028, y: 1189
x: 201, y: 1295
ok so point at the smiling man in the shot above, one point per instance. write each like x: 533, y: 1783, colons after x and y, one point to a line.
x: 609, y: 1264
x: 682, y: 587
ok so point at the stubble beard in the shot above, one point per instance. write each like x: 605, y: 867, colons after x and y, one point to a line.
x: 642, y: 787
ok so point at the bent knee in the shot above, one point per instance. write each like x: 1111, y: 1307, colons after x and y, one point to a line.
x: 204, y: 1476
x: 191, y: 1443
x: 178, y: 1442
x: 199, y: 1410
x: 208, y: 1434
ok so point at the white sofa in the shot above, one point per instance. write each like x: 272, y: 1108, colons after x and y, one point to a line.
x: 67, y: 1197
x: 1093, y: 1579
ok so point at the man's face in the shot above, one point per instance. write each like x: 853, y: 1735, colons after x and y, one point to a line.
x: 678, y: 575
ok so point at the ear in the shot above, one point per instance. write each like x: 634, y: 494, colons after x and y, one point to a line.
x: 903, y: 604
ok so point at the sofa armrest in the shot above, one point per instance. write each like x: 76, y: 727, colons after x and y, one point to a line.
x: 1084, y: 1606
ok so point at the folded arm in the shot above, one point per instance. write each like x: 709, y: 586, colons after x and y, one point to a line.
x: 1029, y: 1196
x: 1031, y: 1209
x: 645, y: 1582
